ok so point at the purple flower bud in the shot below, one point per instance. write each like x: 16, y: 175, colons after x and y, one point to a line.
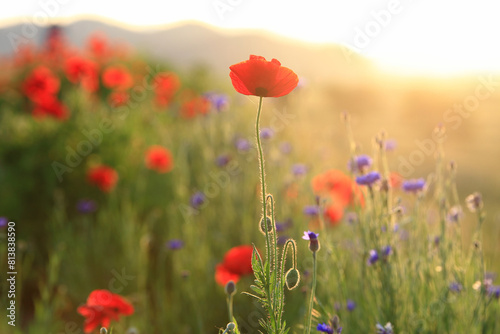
x: 311, y: 210
x: 474, y: 202
x: 324, y: 328
x: 368, y: 179
x: 386, y: 251
x: 455, y: 214
x: 197, y: 199
x: 455, y: 287
x: 86, y: 206
x: 219, y: 101
x: 313, y: 240
x: 242, y: 145
x: 359, y: 164
x: 413, y: 186
x: 372, y: 257
x: 266, y: 133
x: 175, y: 244
x: 3, y: 222
x: 222, y: 160
x: 351, y: 305
x: 299, y: 169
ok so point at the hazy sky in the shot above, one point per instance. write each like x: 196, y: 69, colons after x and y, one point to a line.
x: 437, y: 36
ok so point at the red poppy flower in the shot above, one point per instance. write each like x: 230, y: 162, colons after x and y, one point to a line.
x: 103, y: 177
x: 102, y: 307
x: 49, y: 105
x: 39, y: 83
x: 117, y: 77
x: 334, y: 183
x: 395, y: 180
x: 159, y: 159
x: 334, y: 213
x: 97, y: 44
x: 117, y: 99
x: 165, y: 86
x: 82, y: 70
x: 237, y: 262
x: 195, y: 106
x: 260, y: 77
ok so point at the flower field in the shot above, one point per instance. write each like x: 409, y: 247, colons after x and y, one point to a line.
x: 146, y: 199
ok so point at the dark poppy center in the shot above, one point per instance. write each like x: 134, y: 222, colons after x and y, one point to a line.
x: 260, y: 91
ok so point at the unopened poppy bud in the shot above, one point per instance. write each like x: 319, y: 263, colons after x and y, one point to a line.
x: 230, y: 328
x: 103, y: 331
x: 269, y: 225
x: 292, y: 278
x: 230, y: 288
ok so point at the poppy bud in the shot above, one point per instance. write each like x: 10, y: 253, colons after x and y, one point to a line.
x: 269, y: 225
x: 292, y: 278
x: 103, y: 331
x: 230, y: 288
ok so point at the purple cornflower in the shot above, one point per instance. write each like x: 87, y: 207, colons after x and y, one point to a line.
x: 455, y: 287
x: 311, y: 210
x: 285, y: 147
x: 413, y: 186
x: 197, y: 199
x: 222, y: 160
x: 351, y: 305
x: 219, y: 101
x: 387, y: 329
x: 266, y: 133
x: 368, y: 179
x: 372, y: 257
x: 313, y: 240
x: 86, y: 206
x: 175, y: 244
x: 437, y: 240
x: 3, y: 222
x: 310, y: 236
x: 324, y: 328
x: 359, y: 163
x: 494, y: 291
x: 386, y: 251
x: 242, y: 144
x: 299, y: 169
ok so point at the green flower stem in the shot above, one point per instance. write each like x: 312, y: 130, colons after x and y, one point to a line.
x: 229, y: 300
x: 311, y: 300
x: 269, y: 259
x: 262, y: 178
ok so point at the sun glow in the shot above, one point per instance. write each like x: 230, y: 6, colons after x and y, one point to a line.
x: 426, y: 37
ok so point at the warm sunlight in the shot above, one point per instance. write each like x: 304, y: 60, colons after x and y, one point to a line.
x: 418, y: 37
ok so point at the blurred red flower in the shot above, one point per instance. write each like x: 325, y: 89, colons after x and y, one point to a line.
x: 117, y: 77
x: 82, y: 70
x: 119, y: 98
x: 195, y: 106
x: 97, y: 44
x: 102, y: 307
x: 237, y: 262
x: 159, y: 159
x: 260, y: 77
x: 103, y: 177
x: 39, y: 83
x: 49, y: 105
x: 334, y: 213
x: 334, y: 183
x: 165, y: 86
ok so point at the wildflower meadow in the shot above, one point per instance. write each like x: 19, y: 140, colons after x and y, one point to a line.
x: 138, y: 197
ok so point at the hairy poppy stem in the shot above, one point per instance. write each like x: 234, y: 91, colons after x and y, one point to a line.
x: 262, y: 179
